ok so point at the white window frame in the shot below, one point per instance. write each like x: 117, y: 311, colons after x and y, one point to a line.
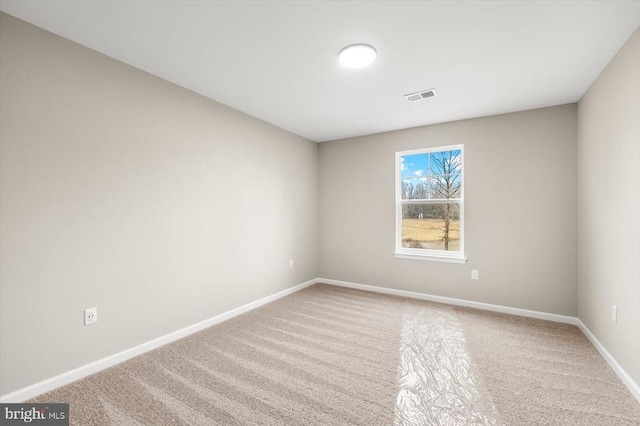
x: 427, y: 254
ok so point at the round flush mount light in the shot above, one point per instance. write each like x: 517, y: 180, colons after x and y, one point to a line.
x: 357, y: 56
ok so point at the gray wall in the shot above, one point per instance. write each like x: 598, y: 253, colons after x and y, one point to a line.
x: 609, y: 206
x: 122, y: 191
x: 520, y: 211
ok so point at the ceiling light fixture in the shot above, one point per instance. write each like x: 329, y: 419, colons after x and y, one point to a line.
x: 357, y: 56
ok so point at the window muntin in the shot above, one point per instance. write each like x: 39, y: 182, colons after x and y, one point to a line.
x: 430, y: 202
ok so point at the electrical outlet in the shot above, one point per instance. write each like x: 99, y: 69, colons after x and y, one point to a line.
x: 614, y: 313
x: 291, y: 263
x: 474, y: 274
x: 90, y: 316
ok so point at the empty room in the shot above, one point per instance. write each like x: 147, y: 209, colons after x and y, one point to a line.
x: 319, y: 212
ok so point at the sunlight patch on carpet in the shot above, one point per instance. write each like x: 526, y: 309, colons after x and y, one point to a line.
x: 437, y: 384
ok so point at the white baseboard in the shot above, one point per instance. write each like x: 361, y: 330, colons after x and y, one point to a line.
x: 458, y: 302
x: 78, y: 373
x: 94, y: 367
x: 633, y: 387
x: 615, y: 366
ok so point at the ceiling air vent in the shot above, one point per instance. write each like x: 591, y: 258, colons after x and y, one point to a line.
x: 418, y: 96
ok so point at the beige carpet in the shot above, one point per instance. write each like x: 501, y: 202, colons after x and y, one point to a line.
x: 334, y: 356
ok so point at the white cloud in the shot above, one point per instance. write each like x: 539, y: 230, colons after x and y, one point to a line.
x: 418, y: 173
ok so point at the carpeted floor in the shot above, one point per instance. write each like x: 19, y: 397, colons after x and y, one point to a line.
x: 334, y: 356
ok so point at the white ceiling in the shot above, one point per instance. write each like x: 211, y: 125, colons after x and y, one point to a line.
x: 277, y: 60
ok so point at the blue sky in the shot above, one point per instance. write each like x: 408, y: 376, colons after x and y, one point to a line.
x: 414, y: 165
x: 417, y: 165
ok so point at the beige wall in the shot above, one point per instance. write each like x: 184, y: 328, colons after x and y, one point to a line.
x: 122, y: 191
x: 609, y: 206
x: 520, y: 211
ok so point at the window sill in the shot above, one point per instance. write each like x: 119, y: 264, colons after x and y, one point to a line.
x: 431, y: 257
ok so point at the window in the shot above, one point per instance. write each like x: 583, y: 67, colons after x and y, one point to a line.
x: 430, y: 204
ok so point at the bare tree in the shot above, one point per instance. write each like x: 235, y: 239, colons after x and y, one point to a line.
x: 446, y: 166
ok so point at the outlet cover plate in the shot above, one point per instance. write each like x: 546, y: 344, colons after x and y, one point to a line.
x: 90, y: 316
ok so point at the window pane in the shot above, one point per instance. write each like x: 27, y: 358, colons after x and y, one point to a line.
x: 445, y: 168
x: 431, y: 226
x: 414, y: 166
x: 415, y: 188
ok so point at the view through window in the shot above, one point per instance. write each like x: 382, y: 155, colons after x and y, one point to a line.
x: 429, y: 201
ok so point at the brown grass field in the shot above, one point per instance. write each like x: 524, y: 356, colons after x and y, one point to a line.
x: 428, y: 234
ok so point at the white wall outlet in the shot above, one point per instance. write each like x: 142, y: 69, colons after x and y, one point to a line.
x: 291, y: 263
x: 474, y: 274
x: 90, y: 316
x: 614, y: 313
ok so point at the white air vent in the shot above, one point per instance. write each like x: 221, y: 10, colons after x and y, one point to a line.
x: 418, y: 96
